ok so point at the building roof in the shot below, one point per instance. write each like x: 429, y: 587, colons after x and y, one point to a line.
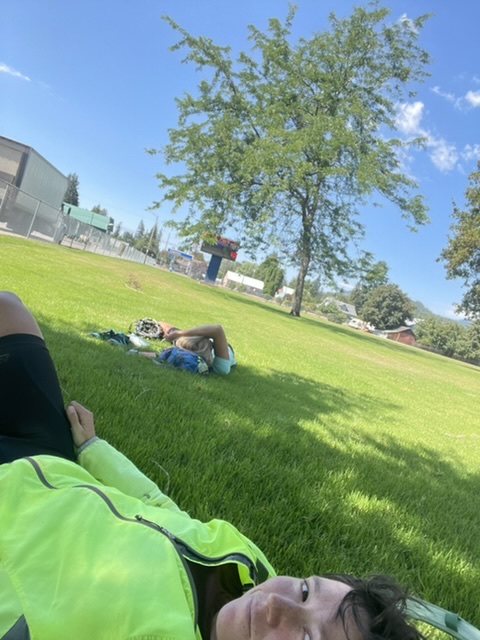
x: 398, y: 330
x: 349, y: 309
x: 96, y: 220
x: 232, y: 276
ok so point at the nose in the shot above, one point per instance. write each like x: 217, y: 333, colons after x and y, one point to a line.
x: 280, y: 608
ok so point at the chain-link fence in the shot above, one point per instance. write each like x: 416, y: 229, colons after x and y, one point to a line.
x: 23, y: 215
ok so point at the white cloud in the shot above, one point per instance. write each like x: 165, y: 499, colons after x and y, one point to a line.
x: 473, y: 98
x: 4, y: 68
x: 443, y: 155
x: 408, y: 121
x: 448, y: 96
x: 470, y: 100
x: 409, y: 117
x: 471, y: 152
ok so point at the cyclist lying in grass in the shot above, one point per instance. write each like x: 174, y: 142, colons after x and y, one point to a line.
x: 91, y: 548
x: 208, y: 341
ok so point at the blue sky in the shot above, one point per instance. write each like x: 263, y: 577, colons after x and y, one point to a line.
x: 89, y: 85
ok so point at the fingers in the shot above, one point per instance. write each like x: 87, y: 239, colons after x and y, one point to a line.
x: 81, y: 423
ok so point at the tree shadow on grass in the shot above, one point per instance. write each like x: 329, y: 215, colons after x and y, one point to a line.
x: 278, y: 455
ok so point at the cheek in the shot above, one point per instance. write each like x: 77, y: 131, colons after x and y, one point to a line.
x: 232, y: 621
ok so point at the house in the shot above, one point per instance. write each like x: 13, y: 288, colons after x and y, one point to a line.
x: 346, y: 308
x: 233, y: 279
x: 404, y: 335
x: 284, y: 291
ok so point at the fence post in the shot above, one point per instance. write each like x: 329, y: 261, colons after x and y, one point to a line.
x: 3, y: 205
x: 33, y: 219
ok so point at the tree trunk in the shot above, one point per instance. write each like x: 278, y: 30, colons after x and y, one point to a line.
x: 298, y: 295
x: 306, y: 252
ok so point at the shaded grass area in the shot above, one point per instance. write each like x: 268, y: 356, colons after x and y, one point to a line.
x: 333, y: 450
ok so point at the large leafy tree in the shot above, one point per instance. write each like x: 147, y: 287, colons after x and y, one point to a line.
x: 444, y: 336
x: 387, y: 307
x: 282, y: 146
x: 462, y: 253
x: 71, y: 194
x: 376, y: 275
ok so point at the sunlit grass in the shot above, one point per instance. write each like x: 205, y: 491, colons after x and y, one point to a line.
x: 333, y: 450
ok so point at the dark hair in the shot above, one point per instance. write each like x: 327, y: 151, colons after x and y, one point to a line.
x: 378, y: 608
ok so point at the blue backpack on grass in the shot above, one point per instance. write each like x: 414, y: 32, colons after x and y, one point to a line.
x: 181, y: 359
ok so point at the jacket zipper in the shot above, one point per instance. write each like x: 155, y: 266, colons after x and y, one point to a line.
x: 190, y: 553
x: 136, y: 520
x: 183, y: 549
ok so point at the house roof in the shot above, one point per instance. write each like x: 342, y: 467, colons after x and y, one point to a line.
x: 399, y: 330
x: 349, y: 309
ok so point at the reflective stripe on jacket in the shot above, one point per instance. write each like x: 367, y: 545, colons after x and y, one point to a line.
x: 96, y: 550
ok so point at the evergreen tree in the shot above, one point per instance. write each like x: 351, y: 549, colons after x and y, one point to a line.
x: 100, y: 210
x: 140, y: 232
x: 71, y: 194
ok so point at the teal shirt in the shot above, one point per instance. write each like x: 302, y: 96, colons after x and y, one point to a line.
x: 222, y: 365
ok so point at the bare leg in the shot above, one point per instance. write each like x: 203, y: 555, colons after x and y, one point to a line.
x: 15, y: 317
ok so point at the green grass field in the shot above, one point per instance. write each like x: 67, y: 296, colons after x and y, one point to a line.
x: 335, y: 451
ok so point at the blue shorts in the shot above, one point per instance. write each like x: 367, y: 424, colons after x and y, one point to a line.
x: 32, y: 415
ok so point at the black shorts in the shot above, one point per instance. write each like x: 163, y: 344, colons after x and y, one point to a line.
x: 32, y: 415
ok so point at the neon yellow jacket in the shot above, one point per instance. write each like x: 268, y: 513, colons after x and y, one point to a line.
x: 96, y: 550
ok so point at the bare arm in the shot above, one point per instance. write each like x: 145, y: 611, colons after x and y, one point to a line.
x: 213, y: 331
x: 167, y: 327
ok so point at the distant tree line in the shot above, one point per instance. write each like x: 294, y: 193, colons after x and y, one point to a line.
x: 144, y: 240
x: 450, y: 338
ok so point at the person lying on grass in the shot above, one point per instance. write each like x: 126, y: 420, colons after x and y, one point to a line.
x: 208, y: 341
x: 91, y: 548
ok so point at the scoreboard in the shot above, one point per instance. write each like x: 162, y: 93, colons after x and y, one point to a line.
x: 222, y: 247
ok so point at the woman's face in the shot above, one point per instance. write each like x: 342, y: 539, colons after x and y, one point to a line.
x: 286, y: 608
